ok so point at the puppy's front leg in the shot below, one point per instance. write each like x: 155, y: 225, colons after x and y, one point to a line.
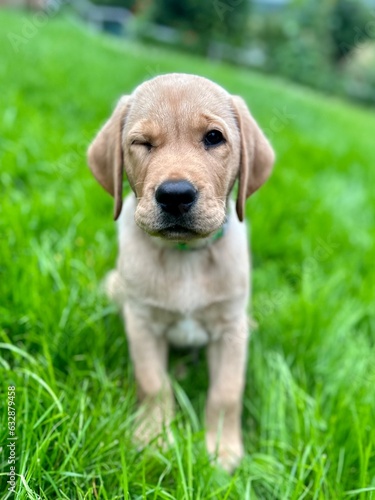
x: 227, y: 364
x: 149, y: 354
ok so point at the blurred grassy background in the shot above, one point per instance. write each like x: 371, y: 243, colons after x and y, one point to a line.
x: 309, y: 406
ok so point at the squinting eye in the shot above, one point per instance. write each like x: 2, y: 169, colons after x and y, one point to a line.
x: 213, y: 138
x: 146, y: 144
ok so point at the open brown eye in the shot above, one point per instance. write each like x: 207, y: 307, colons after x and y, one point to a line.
x: 213, y: 138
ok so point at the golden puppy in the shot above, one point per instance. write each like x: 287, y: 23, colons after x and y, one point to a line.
x: 183, y: 273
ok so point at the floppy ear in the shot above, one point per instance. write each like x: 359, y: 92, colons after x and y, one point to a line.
x: 105, y: 155
x: 257, y: 155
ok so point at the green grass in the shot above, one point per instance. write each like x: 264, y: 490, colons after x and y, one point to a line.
x: 309, y: 407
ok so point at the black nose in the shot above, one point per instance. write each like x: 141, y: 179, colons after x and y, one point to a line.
x: 176, y: 197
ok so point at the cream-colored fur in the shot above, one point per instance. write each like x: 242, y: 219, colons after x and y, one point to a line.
x: 196, y: 296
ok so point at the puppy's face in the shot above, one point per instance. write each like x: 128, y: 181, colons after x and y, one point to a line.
x: 181, y: 139
x: 181, y: 152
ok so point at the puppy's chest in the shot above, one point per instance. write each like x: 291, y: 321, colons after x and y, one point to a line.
x: 184, y: 328
x: 185, y: 298
x: 178, y: 285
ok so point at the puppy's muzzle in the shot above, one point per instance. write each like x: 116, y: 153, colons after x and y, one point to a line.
x: 176, y: 198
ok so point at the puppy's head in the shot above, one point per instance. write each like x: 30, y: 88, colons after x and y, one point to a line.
x: 183, y: 141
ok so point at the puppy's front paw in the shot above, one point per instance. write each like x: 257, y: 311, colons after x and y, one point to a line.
x: 228, y: 452
x: 153, y: 422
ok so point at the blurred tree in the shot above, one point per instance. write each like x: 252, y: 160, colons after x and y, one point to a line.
x: 206, y: 20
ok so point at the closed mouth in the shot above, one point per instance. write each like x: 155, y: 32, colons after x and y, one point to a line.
x: 178, y: 232
x: 177, y: 228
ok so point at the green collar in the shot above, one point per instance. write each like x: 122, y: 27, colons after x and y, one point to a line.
x: 184, y: 246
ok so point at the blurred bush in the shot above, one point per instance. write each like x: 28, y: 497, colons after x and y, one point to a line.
x: 296, y: 43
x: 348, y: 26
x: 310, y: 42
x: 197, y: 23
